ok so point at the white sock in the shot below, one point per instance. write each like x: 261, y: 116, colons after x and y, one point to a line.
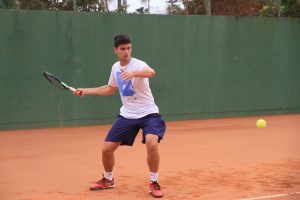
x: 108, y: 175
x: 154, y: 176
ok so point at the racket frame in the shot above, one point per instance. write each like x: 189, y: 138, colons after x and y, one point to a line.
x: 63, y: 84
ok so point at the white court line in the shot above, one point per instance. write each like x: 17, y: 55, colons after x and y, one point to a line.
x: 272, y: 196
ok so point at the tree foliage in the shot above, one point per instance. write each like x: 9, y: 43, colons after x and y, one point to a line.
x: 286, y: 8
x: 221, y: 7
x: 66, y: 5
x: 289, y: 8
x: 283, y: 8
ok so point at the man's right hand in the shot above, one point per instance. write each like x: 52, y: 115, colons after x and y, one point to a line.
x: 79, y: 92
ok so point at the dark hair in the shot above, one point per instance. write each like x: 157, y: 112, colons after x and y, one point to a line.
x: 121, y: 39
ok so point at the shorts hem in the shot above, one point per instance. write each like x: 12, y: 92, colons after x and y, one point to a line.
x: 144, y: 138
x: 122, y: 143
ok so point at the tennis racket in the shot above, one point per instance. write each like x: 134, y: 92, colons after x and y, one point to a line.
x: 56, y: 82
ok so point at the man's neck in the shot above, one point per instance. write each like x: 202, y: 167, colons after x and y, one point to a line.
x: 124, y: 62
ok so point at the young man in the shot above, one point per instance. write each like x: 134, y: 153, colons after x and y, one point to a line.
x: 131, y: 77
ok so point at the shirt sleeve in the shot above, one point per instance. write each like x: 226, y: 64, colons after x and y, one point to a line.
x: 141, y: 65
x: 112, y: 79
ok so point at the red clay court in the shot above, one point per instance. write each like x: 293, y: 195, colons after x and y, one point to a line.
x: 216, y: 159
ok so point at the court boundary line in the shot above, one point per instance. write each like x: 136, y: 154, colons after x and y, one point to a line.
x: 271, y: 196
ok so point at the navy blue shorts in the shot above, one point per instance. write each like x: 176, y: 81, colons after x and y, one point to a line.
x: 125, y: 130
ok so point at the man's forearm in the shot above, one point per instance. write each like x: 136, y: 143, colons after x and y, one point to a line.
x: 146, y: 72
x: 99, y: 91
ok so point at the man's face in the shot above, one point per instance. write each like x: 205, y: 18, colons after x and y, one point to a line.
x: 123, y: 52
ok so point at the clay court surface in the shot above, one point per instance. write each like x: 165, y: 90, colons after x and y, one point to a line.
x: 216, y: 159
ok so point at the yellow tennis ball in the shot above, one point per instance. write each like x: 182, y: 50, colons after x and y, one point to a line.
x: 261, y: 123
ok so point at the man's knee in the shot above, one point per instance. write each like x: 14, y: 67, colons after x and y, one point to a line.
x: 109, y: 147
x: 151, y: 141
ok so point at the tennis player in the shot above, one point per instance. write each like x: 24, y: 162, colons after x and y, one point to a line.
x: 131, y: 77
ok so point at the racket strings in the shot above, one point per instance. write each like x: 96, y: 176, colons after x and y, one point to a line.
x: 54, y: 80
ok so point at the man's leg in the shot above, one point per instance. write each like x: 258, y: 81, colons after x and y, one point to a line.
x: 152, y: 152
x: 153, y: 163
x: 108, y: 158
x: 108, y: 161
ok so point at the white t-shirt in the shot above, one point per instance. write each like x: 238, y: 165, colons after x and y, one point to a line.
x: 135, y: 94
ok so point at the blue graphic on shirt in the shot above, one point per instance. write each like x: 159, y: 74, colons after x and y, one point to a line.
x: 125, y: 87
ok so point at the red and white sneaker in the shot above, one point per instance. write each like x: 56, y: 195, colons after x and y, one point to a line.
x: 155, y: 190
x: 103, y: 184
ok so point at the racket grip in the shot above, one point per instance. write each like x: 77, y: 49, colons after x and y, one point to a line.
x: 72, y: 89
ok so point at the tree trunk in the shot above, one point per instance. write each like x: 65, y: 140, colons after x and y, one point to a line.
x: 17, y: 4
x: 74, y: 5
x: 119, y: 5
x: 278, y: 7
x: 125, y: 5
x: 105, y: 4
x: 207, y: 7
x: 187, y: 8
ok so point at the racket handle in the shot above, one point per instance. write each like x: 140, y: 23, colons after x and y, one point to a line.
x: 72, y: 89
